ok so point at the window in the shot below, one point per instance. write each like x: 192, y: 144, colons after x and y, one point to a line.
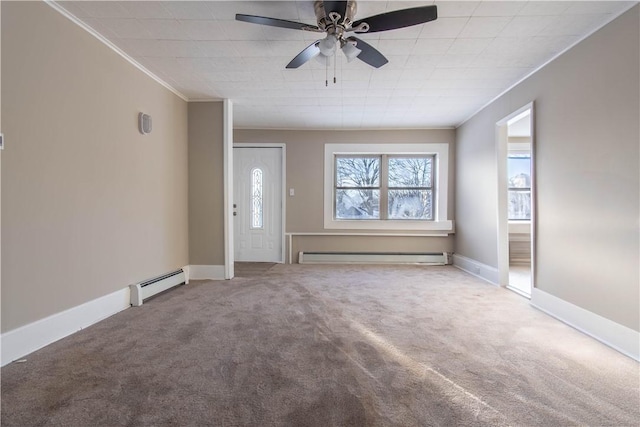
x: 357, y: 192
x: 256, y: 198
x: 386, y: 186
x: 410, y: 191
x: 406, y: 190
x: 519, y: 173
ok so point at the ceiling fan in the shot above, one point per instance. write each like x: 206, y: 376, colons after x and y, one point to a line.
x: 336, y: 18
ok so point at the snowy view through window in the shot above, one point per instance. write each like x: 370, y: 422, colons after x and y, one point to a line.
x: 519, y: 170
x: 358, y: 187
x: 408, y: 190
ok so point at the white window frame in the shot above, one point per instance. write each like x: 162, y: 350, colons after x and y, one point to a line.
x: 441, y: 221
x: 519, y: 225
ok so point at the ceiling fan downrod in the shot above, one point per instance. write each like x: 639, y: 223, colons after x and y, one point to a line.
x: 336, y: 18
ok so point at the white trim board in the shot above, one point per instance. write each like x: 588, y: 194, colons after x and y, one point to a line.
x: 29, y: 338
x: 229, y: 251
x: 325, y: 129
x: 206, y: 272
x: 475, y: 268
x: 608, y: 332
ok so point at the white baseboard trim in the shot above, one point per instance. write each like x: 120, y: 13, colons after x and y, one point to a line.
x: 478, y: 269
x: 617, y: 336
x: 206, y: 272
x: 185, y: 269
x: 29, y: 338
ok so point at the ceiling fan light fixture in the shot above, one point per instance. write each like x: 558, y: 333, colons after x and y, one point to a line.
x: 325, y: 61
x: 337, y: 19
x: 350, y: 51
x: 328, y: 45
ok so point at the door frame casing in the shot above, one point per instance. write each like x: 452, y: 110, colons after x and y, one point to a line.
x: 283, y: 206
x: 503, y: 222
x: 227, y: 145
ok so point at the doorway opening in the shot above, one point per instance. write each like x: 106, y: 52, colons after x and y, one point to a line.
x: 258, y: 203
x: 252, y: 269
x: 516, y: 213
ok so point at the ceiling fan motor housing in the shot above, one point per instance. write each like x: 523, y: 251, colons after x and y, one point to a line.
x: 336, y: 18
x: 325, y: 22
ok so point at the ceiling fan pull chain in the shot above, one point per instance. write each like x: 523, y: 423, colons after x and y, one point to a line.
x: 335, y: 59
x: 326, y: 72
x: 335, y: 18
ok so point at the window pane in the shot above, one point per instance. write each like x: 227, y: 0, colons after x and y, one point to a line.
x: 410, y: 172
x: 358, y: 172
x: 256, y: 198
x: 520, y: 204
x: 357, y: 204
x: 410, y: 204
x: 519, y: 170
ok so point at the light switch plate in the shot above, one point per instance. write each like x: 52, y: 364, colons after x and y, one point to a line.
x: 292, y: 192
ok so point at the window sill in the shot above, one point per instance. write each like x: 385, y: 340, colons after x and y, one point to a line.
x: 446, y: 226
x: 520, y: 227
x: 440, y: 150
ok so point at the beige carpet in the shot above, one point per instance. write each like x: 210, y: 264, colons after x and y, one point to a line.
x: 327, y: 346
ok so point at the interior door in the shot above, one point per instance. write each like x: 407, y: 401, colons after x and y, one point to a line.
x: 258, y: 204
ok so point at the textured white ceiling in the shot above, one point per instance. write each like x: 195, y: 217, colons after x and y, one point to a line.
x: 438, y: 73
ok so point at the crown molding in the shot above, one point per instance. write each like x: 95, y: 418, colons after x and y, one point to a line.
x: 113, y: 47
x: 553, y: 58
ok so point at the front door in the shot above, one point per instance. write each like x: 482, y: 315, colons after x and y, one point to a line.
x: 258, y: 204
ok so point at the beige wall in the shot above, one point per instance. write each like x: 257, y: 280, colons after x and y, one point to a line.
x: 206, y: 185
x: 89, y: 205
x: 587, y: 133
x: 305, y: 173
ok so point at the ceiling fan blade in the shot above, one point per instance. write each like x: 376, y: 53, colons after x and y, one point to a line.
x: 273, y: 22
x: 369, y: 54
x: 308, y: 53
x: 399, y: 18
x: 339, y: 7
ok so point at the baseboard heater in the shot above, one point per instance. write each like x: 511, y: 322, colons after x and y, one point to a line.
x: 148, y: 288
x: 427, y: 258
